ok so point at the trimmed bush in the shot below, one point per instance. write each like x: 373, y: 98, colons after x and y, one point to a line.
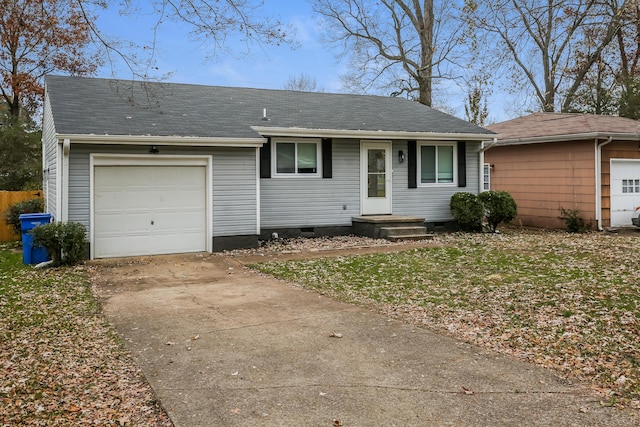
x: 65, y: 242
x: 499, y: 207
x: 467, y: 210
x: 573, y: 220
x: 12, y: 214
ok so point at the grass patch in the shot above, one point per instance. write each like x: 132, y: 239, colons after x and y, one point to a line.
x: 570, y: 302
x: 60, y: 362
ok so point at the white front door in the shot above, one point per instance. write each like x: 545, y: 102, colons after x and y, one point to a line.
x: 625, y: 191
x: 375, y: 178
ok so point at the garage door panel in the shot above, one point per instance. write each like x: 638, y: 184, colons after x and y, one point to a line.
x: 178, y: 221
x: 183, y: 200
x: 111, y: 246
x: 625, y: 191
x: 186, y: 242
x: 177, y: 224
x: 115, y: 223
x: 144, y: 210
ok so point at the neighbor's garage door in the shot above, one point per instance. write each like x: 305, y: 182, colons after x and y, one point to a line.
x: 146, y: 210
x: 625, y: 191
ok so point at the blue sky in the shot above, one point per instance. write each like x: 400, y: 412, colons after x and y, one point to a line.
x: 187, y: 60
x: 264, y: 66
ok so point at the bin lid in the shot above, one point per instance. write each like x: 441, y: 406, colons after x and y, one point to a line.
x: 29, y: 216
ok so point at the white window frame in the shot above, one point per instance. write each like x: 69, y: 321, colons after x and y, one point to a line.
x: 296, y: 174
x: 453, y: 144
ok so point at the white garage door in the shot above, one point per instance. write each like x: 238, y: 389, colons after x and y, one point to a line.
x: 147, y: 210
x: 625, y: 191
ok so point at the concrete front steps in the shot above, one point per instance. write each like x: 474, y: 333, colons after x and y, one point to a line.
x: 391, y: 227
x: 395, y: 234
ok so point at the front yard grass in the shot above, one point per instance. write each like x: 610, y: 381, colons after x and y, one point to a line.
x: 60, y: 362
x: 568, y: 302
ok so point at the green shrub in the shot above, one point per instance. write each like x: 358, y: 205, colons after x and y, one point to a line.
x: 467, y: 210
x: 12, y: 214
x: 499, y: 207
x: 65, y: 242
x: 573, y: 220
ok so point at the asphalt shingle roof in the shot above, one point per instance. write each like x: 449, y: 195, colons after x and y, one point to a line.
x: 119, y: 107
x: 541, y: 125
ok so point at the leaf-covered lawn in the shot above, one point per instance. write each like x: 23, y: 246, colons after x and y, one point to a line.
x: 60, y: 362
x: 571, y: 302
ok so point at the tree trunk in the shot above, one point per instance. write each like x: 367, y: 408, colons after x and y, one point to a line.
x: 425, y: 73
x: 425, y: 87
x: 15, y: 107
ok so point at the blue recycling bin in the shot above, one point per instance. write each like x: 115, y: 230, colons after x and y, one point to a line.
x: 33, y: 254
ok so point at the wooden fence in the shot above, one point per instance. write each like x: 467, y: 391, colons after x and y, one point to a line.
x: 8, y: 198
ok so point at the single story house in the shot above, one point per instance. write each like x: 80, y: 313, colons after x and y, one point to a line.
x: 153, y: 168
x: 582, y: 162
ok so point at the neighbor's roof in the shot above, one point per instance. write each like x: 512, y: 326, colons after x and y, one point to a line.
x: 89, y: 106
x: 546, y: 127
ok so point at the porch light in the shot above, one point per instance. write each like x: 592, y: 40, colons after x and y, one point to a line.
x: 154, y: 150
x: 401, y: 156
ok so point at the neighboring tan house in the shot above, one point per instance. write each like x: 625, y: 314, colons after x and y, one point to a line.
x: 583, y: 162
x: 152, y: 168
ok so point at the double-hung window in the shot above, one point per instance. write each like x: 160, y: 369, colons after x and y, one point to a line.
x: 437, y: 163
x: 297, y: 157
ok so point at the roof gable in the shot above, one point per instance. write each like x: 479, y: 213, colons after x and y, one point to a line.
x: 89, y: 106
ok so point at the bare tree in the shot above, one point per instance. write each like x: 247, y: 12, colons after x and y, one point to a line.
x: 38, y: 37
x: 627, y: 59
x: 393, y: 45
x: 303, y: 83
x: 539, y: 40
x: 599, y: 91
x: 611, y: 84
x: 476, y: 109
x: 211, y: 22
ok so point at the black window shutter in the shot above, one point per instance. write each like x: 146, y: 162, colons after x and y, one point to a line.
x: 265, y: 159
x: 462, y: 164
x: 327, y: 165
x: 412, y: 163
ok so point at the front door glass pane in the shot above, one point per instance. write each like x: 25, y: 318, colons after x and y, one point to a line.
x: 376, y: 173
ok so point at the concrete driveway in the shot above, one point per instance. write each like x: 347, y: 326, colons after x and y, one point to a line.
x: 224, y: 346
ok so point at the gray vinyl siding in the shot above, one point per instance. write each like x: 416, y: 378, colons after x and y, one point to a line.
x: 233, y: 181
x: 49, y: 158
x: 79, y: 191
x: 315, y: 202
x: 235, y: 192
x: 432, y: 203
x: 299, y: 202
